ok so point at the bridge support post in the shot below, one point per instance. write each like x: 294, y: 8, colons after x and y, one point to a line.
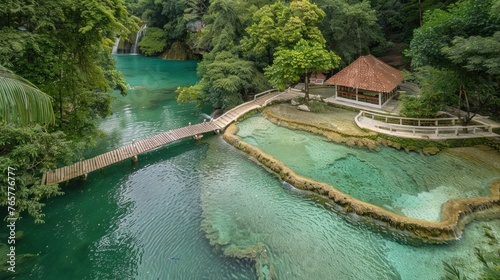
x: 134, y: 159
x: 84, y: 177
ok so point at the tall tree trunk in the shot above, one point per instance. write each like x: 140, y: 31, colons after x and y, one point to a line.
x: 459, y: 111
x: 307, y: 85
x: 60, y: 108
x: 467, y: 116
x: 359, y: 38
x: 270, y: 55
x: 420, y: 12
x: 466, y: 119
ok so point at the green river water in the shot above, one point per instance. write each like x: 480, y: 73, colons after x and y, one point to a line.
x: 151, y: 221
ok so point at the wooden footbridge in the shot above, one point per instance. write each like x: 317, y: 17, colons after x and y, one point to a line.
x: 82, y: 168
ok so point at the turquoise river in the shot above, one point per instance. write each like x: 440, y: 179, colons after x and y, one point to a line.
x: 174, y: 214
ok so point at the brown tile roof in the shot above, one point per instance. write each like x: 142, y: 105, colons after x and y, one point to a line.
x: 318, y: 76
x: 369, y: 73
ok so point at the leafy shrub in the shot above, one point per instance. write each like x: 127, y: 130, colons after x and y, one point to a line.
x: 419, y: 107
x: 316, y: 107
x: 153, y: 42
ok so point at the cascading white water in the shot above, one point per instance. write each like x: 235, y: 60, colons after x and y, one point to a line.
x: 140, y: 33
x: 114, y: 50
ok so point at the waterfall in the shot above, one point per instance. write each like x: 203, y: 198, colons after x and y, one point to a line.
x: 114, y: 50
x: 140, y: 33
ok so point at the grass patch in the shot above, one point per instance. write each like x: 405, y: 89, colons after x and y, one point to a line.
x: 451, y: 143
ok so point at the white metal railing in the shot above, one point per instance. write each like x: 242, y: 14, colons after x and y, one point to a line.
x: 268, y: 101
x: 410, y: 121
x: 264, y: 92
x: 437, y: 130
x: 244, y: 104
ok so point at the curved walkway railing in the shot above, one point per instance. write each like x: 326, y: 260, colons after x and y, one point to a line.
x: 441, y: 128
x: 410, y: 121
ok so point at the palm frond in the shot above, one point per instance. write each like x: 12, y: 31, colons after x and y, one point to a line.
x: 22, y: 102
x: 452, y: 272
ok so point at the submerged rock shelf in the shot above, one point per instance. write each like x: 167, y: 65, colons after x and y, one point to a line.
x: 455, y: 214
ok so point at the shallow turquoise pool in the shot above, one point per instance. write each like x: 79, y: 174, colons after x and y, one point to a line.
x: 408, y: 184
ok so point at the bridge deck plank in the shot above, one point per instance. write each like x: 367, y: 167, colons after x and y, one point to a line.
x: 164, y: 138
x: 71, y: 171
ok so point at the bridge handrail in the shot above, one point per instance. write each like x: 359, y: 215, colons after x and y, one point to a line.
x: 268, y: 101
x: 245, y: 103
x: 264, y: 92
x: 233, y: 109
x: 419, y: 121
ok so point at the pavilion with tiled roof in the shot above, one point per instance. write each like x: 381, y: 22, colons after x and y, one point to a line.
x: 367, y: 81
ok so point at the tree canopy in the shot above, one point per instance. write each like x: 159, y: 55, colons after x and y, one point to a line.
x: 304, y: 58
x: 282, y: 25
x: 462, y: 43
x: 351, y: 28
x: 226, y: 80
x: 153, y: 42
x: 31, y: 150
x: 64, y: 48
x: 290, y: 37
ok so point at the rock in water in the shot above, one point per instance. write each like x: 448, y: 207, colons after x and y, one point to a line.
x: 294, y: 103
x: 178, y: 51
x: 304, y: 108
x: 430, y: 150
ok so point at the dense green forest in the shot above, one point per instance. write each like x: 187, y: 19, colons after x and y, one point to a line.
x: 451, y: 47
x: 63, y: 48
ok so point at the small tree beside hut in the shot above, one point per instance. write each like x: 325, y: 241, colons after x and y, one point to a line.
x: 305, y: 58
x: 288, y: 36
